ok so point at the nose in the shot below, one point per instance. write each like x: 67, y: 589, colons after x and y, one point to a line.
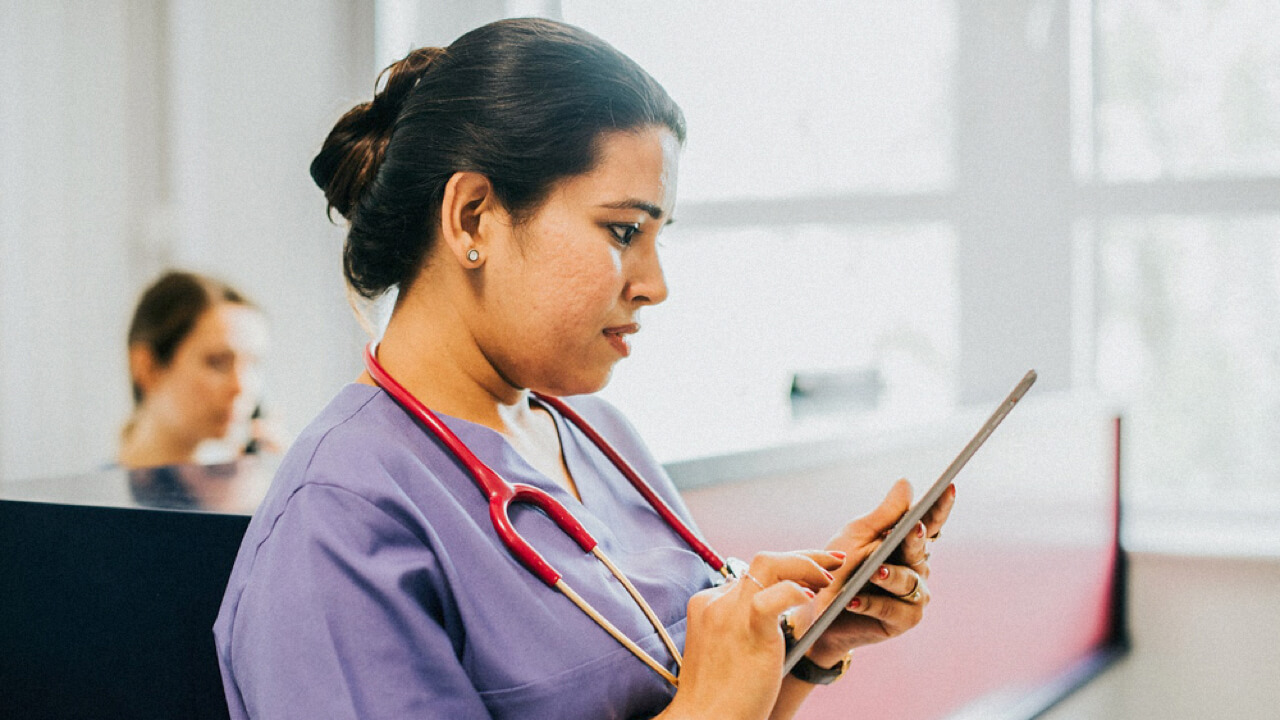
x: 246, y: 376
x: 236, y: 380
x: 648, y: 285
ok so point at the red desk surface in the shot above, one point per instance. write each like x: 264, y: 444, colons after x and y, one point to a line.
x: 1022, y: 578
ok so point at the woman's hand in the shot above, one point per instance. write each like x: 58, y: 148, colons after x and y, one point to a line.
x: 875, y: 616
x: 734, y: 644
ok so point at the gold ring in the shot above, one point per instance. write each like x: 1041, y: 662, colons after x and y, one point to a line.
x: 921, y: 561
x: 912, y: 596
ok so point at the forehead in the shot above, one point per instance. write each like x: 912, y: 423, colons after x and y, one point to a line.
x: 230, y: 324
x: 633, y: 165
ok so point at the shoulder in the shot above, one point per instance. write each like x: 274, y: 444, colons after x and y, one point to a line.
x: 351, y: 445
x: 337, y: 498
x: 350, y: 463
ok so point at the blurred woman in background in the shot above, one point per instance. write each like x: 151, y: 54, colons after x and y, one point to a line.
x: 194, y: 351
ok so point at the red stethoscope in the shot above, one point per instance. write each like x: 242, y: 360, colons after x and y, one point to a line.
x: 502, y: 495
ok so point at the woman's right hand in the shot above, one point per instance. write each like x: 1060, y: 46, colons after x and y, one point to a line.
x: 734, y: 646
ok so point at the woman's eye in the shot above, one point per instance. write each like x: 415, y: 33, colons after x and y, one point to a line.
x: 624, y: 233
x: 221, y: 362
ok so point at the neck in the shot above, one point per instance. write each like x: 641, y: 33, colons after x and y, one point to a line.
x: 150, y: 443
x: 439, y: 362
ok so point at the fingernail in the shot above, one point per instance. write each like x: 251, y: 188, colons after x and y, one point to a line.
x: 920, y: 530
x: 837, y: 555
x: 883, y: 572
x: 855, y: 603
x: 828, y: 576
x: 952, y: 490
x: 810, y: 593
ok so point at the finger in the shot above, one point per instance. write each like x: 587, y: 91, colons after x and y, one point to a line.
x: 941, y: 510
x: 895, y: 503
x: 768, y: 605
x: 801, y: 568
x: 897, y: 580
x: 896, y: 615
x: 826, y: 559
x: 875, y: 524
x: 913, y: 549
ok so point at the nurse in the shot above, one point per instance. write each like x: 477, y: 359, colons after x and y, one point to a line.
x: 511, y: 189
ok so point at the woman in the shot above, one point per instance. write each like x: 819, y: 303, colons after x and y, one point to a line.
x: 194, y: 346
x: 511, y: 189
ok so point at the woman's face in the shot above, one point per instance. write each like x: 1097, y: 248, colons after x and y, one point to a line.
x: 213, y: 381
x: 569, y: 282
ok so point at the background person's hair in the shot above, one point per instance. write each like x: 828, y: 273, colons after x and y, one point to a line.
x: 523, y: 102
x: 167, y: 311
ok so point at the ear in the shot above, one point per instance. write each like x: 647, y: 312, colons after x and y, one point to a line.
x: 467, y: 213
x: 143, y: 367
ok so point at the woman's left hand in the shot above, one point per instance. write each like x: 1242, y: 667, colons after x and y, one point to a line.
x: 903, y: 582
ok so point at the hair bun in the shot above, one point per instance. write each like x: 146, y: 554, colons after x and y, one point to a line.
x: 349, y: 159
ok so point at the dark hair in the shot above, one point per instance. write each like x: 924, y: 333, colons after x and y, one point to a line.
x: 523, y: 102
x: 170, y: 308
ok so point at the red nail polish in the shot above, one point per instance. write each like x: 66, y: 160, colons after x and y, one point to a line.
x: 883, y: 573
x: 952, y: 490
x: 828, y: 576
x: 837, y: 555
x: 810, y: 593
x: 855, y: 603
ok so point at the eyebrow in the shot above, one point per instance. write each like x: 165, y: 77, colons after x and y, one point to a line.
x: 652, y: 210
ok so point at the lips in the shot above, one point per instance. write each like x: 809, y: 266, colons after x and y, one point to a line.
x: 617, y: 337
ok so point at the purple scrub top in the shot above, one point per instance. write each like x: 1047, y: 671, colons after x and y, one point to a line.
x: 371, y: 583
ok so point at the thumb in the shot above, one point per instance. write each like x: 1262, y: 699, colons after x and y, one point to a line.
x: 897, y: 502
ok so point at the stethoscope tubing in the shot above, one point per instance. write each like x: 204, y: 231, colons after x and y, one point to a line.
x: 657, y: 503
x: 500, y: 493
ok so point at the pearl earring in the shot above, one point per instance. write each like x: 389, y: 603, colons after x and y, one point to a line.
x: 473, y: 254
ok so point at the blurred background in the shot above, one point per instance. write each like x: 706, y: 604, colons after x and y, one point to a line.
x: 915, y: 200
x: 888, y: 211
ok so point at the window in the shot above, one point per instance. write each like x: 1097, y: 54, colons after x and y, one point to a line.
x: 798, y: 245
x: 712, y: 372
x: 861, y: 180
x: 1189, y: 341
x: 1188, y: 89
x: 1187, y: 222
x: 809, y: 99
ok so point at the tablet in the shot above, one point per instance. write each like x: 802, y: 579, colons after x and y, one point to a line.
x: 905, y: 525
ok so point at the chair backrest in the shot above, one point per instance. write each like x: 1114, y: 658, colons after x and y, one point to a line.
x: 107, y: 612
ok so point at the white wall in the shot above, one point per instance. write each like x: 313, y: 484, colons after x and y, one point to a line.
x: 68, y: 208
x: 255, y: 89
x: 137, y: 135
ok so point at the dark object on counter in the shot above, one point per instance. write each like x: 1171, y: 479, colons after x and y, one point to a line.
x: 827, y: 392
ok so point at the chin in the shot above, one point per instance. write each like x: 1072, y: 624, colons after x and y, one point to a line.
x: 581, y: 384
